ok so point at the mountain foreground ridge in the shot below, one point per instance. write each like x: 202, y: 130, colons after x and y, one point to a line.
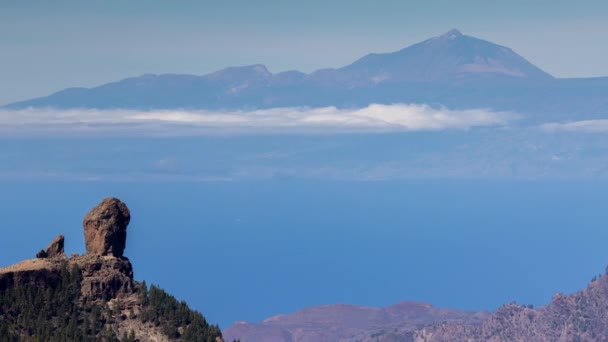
x: 339, y: 322
x: 93, y: 297
x: 581, y: 316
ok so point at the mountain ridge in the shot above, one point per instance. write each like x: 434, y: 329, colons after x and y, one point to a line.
x: 452, y: 70
x: 336, y: 322
x: 580, y: 316
x: 451, y: 53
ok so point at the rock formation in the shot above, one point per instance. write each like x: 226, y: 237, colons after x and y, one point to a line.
x: 98, y: 287
x: 105, y: 228
x: 54, y: 249
x: 105, y: 277
x: 106, y: 273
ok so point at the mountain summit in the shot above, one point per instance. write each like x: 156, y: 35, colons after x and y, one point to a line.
x: 451, y: 34
x: 449, y: 57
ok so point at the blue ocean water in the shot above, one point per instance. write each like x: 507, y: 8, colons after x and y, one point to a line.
x: 246, y: 250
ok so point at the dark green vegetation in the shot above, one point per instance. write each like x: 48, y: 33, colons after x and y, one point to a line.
x: 57, y: 312
x: 165, y: 311
x: 51, y: 313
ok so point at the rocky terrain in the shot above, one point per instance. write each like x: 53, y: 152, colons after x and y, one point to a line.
x: 347, y: 322
x: 92, y: 296
x: 581, y: 317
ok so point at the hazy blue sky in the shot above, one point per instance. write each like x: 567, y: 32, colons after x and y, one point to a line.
x: 46, y: 46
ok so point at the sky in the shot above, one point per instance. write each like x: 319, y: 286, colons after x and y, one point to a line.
x: 48, y: 46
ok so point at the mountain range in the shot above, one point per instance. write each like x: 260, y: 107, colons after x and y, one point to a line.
x: 451, y: 70
x: 581, y: 316
x: 342, y: 321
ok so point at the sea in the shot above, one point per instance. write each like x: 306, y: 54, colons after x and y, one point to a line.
x: 250, y: 249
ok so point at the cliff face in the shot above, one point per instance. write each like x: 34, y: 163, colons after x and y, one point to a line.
x: 92, y: 296
x: 104, y: 278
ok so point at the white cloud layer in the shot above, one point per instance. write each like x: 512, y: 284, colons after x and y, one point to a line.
x: 397, y: 117
x: 584, y: 126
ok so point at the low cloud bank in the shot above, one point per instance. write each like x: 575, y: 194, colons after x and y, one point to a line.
x: 584, y: 126
x: 397, y: 117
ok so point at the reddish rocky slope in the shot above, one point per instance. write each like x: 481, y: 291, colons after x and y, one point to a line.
x: 341, y: 322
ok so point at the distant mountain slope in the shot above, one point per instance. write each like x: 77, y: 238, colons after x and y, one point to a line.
x: 338, y: 322
x: 582, y: 316
x: 449, y: 57
x: 453, y: 70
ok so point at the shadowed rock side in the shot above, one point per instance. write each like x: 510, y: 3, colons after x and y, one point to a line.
x: 331, y: 323
x: 93, y: 296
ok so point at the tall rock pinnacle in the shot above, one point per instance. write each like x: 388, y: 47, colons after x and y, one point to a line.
x: 105, y: 228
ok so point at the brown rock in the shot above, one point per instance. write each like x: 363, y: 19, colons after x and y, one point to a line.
x: 105, y: 228
x: 39, y: 272
x: 104, y: 277
x: 54, y: 249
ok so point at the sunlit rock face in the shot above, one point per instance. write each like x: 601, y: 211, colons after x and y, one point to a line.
x: 105, y: 228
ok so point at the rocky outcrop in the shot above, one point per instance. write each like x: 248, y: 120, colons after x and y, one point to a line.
x: 54, y: 249
x: 105, y: 228
x: 106, y: 273
x: 38, y: 272
x: 105, y: 277
x: 92, y: 296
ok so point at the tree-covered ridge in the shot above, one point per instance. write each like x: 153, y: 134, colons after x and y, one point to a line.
x: 52, y: 313
x: 56, y: 311
x: 175, y: 318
